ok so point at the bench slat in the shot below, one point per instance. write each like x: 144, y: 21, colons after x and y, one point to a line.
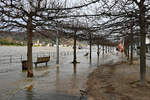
x: 42, y: 60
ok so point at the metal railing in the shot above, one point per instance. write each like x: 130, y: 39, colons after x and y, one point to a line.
x: 8, y: 59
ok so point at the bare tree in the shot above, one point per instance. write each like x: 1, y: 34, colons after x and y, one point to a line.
x: 140, y: 12
x: 34, y: 15
x: 142, y: 22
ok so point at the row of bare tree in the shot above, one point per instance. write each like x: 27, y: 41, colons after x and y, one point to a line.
x: 128, y: 19
x: 36, y: 15
x: 102, y: 20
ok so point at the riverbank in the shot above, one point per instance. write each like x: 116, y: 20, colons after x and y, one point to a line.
x: 118, y: 81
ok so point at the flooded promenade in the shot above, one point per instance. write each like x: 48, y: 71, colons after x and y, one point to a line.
x: 61, y: 80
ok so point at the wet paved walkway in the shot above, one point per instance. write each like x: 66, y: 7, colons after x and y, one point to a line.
x: 24, y: 95
x: 62, y: 82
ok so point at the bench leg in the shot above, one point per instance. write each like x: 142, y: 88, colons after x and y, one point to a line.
x: 46, y: 64
x: 35, y: 64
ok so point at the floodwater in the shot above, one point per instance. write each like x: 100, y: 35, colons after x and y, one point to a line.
x: 55, y: 82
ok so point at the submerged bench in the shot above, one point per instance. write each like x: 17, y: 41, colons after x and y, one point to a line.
x: 42, y: 60
x: 24, y: 65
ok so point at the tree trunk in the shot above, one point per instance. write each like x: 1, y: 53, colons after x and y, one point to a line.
x: 126, y: 47
x: 57, y: 50
x: 90, y: 47
x: 106, y: 49
x: 98, y: 52
x: 143, y: 45
x: 128, y: 55
x: 131, y: 55
x: 29, y: 50
x: 74, y: 47
x: 103, y: 50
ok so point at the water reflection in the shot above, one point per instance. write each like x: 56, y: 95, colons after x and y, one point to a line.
x: 57, y: 79
x: 98, y: 62
x: 74, y: 78
x: 57, y: 70
x: 29, y: 95
x: 75, y: 68
x: 67, y: 78
x: 67, y: 85
x: 90, y: 61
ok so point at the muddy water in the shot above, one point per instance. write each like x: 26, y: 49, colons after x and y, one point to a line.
x: 62, y: 81
x: 22, y: 50
x: 65, y: 79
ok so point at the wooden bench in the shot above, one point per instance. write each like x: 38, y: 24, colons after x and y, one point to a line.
x: 24, y: 65
x: 42, y: 60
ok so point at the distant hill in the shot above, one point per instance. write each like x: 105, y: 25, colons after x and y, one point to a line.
x: 22, y: 35
x: 43, y: 36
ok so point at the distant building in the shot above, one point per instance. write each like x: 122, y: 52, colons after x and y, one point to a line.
x: 37, y: 44
x: 147, y: 40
